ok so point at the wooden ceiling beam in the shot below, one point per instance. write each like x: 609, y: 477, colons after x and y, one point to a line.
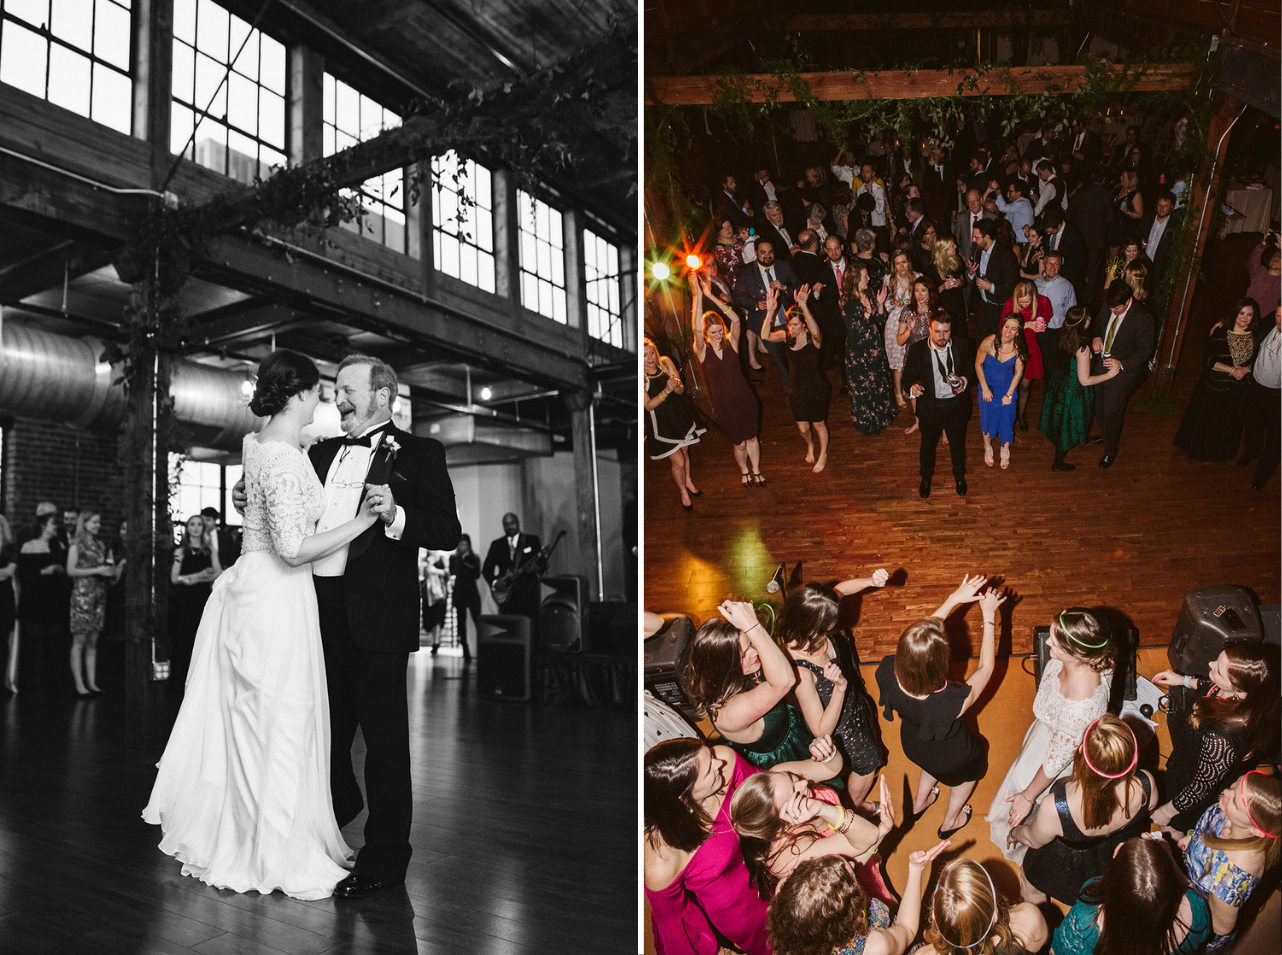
x: 959, y: 20
x: 50, y: 268
x: 918, y: 84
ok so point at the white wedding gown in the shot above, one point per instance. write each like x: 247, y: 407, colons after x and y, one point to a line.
x: 243, y: 791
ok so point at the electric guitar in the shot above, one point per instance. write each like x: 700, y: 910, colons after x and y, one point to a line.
x: 534, y: 565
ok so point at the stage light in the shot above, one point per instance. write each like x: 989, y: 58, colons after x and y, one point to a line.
x: 660, y: 271
x: 486, y: 393
x: 693, y: 261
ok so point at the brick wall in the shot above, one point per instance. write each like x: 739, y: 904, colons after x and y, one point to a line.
x: 49, y: 461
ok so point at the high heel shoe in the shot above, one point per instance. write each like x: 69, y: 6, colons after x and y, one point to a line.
x: 694, y: 493
x: 945, y: 833
x: 758, y: 479
x: 934, y: 795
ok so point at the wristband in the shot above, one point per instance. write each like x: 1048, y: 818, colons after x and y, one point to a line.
x: 837, y: 827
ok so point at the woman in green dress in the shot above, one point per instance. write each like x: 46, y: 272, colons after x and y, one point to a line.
x: 1070, y: 402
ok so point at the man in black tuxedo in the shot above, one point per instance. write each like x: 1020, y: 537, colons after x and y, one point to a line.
x: 727, y: 205
x: 226, y: 542
x: 761, y: 189
x: 781, y: 235
x: 368, y: 599
x: 996, y: 271
x: 1086, y: 146
x: 1158, y: 237
x: 1060, y: 235
x: 750, y: 297
x: 1125, y: 336
x: 825, y: 302
x: 939, y: 187
x: 806, y: 261
x: 1044, y: 146
x: 1091, y: 209
x: 942, y: 407
x: 514, y: 550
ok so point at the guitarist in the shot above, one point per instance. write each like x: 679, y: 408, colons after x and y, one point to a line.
x: 507, y: 557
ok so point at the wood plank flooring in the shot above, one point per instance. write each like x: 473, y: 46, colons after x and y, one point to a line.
x: 1135, y: 538
x: 524, y: 838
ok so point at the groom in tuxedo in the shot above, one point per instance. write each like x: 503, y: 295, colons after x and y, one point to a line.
x: 369, y: 607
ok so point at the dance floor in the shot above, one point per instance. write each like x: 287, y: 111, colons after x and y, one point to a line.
x: 1136, y: 537
x: 524, y: 838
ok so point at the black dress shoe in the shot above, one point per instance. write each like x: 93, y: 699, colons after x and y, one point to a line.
x: 924, y: 490
x: 961, y: 487
x: 1063, y: 466
x: 1107, y: 460
x: 695, y: 493
x: 756, y: 381
x: 1098, y: 439
x: 945, y: 833
x: 357, y: 886
x: 1257, y: 485
x: 687, y: 507
x: 1243, y: 461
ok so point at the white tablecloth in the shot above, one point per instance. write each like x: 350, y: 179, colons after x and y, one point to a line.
x: 1256, y: 205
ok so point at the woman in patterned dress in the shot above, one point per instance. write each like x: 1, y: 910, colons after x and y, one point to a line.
x: 1211, y: 429
x: 729, y: 252
x: 872, y: 400
x: 1234, y: 843
x: 914, y: 325
x: 822, y: 907
x: 88, y: 565
x: 899, y: 296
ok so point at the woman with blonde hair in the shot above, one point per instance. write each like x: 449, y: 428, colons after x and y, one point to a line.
x: 670, y: 428
x: 195, y: 566
x: 1104, y: 802
x: 1233, y: 844
x: 968, y: 917
x: 88, y: 566
x: 948, y: 273
x: 899, y: 298
x: 1035, y: 311
x: 1072, y: 695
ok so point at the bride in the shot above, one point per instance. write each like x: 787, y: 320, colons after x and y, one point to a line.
x: 243, y: 795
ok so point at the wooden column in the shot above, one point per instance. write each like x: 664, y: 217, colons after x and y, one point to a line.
x: 153, y: 38
x: 585, y: 484
x: 306, y: 105
x: 1198, y: 213
x: 507, y: 239
x: 576, y: 299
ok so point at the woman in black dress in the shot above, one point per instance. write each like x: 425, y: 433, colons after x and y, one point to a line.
x: 948, y: 273
x: 1129, y: 203
x: 810, y: 391
x: 465, y: 568
x: 42, y: 607
x: 670, y: 427
x: 192, y: 574
x: 936, y: 737
x: 1072, y: 836
x: 1216, y: 414
x: 735, y: 404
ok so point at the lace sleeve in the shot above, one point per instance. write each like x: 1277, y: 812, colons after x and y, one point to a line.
x: 285, y: 485
x: 1070, y: 726
x: 1215, y: 759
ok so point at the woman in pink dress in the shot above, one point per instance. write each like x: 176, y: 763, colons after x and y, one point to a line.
x: 695, y: 878
x: 1036, y: 311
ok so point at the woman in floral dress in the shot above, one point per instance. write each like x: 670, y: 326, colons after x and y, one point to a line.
x: 872, y: 402
x: 899, y: 296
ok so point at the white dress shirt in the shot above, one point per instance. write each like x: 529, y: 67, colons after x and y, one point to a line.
x: 344, y: 485
x: 942, y: 388
x: 1268, y: 363
x: 1155, y: 235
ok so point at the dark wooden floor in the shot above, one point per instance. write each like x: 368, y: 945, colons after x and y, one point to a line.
x: 1136, y: 537
x: 524, y: 838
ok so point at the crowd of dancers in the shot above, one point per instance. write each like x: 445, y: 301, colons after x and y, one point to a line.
x: 767, y: 841
x: 922, y: 284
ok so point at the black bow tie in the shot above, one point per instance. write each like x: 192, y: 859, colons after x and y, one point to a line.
x: 365, y: 440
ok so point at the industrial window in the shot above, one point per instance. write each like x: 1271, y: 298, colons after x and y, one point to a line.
x: 604, y: 289
x: 350, y: 118
x: 73, y: 53
x: 196, y: 485
x: 542, y: 257
x: 243, y: 133
x: 463, y: 221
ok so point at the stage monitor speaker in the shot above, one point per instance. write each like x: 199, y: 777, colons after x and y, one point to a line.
x: 504, y: 645
x: 562, y: 601
x: 613, y: 628
x: 1123, y: 676
x: 665, y: 656
x: 1211, y: 617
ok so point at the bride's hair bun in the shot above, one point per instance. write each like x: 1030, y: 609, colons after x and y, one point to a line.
x: 281, y: 375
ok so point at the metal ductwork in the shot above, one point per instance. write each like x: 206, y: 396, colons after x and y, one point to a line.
x: 57, y: 378
x: 476, y: 439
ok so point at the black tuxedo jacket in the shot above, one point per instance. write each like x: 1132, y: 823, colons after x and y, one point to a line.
x: 1133, y: 345
x: 1091, y: 209
x: 380, y: 583
x: 1161, y: 256
x: 749, y: 291
x: 756, y: 195
x: 498, y: 561
x: 810, y: 268
x: 934, y: 185
x: 918, y: 370
x: 768, y: 233
x: 1003, y: 272
x: 1091, y: 151
x: 1072, y: 246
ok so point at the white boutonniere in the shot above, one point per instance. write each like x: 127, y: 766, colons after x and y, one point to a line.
x: 393, y: 447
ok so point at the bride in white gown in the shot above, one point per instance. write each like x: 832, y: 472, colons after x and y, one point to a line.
x: 243, y: 794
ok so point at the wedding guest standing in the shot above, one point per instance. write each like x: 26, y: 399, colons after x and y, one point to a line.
x: 935, y: 734
x: 191, y: 575
x: 89, y: 566
x: 1264, y: 265
x: 948, y: 273
x: 465, y: 568
x: 1070, y: 397
x: 810, y: 393
x: 42, y: 605
x: 735, y: 404
x: 999, y: 369
x: 1216, y: 414
x: 1034, y: 310
x: 1071, y: 838
x: 728, y: 251
x: 934, y: 373
x: 1262, y: 440
x: 1234, y: 842
x: 670, y: 427
x: 899, y: 296
x: 1072, y: 695
x: 872, y: 400
x: 914, y: 326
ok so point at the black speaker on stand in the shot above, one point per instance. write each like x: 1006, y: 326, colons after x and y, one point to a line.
x: 504, y: 647
x: 562, y: 601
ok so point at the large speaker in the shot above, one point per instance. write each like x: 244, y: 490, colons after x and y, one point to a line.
x: 1124, y: 685
x: 613, y: 628
x: 504, y: 644
x: 1211, y: 617
x: 665, y: 656
x: 562, y: 601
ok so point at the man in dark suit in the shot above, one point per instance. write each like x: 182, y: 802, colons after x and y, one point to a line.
x: 1060, y: 235
x: 807, y: 262
x: 368, y: 598
x: 1125, y: 336
x: 1086, y: 146
x: 727, y: 205
x: 1122, y: 151
x: 825, y: 302
x: 1044, y: 146
x: 939, y: 187
x: 996, y: 270
x: 761, y: 189
x: 226, y: 542
x: 1090, y: 208
x: 772, y: 228
x: 937, y: 373
x: 1158, y: 237
x: 514, y: 550
x: 750, y: 297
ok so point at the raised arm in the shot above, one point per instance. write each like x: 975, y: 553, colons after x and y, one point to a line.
x: 812, y: 326
x: 967, y: 592
x: 768, y: 332
x: 988, y: 604
x: 696, y: 318
x: 820, y: 719
x: 856, y: 584
x: 896, y: 939
x: 825, y: 762
x: 741, y: 711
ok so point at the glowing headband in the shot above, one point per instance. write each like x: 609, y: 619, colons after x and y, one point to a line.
x: 1092, y: 646
x: 1134, y: 758
x: 1242, y: 796
x: 990, y: 924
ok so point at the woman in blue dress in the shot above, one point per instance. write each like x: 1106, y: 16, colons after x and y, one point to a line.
x: 999, y: 366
